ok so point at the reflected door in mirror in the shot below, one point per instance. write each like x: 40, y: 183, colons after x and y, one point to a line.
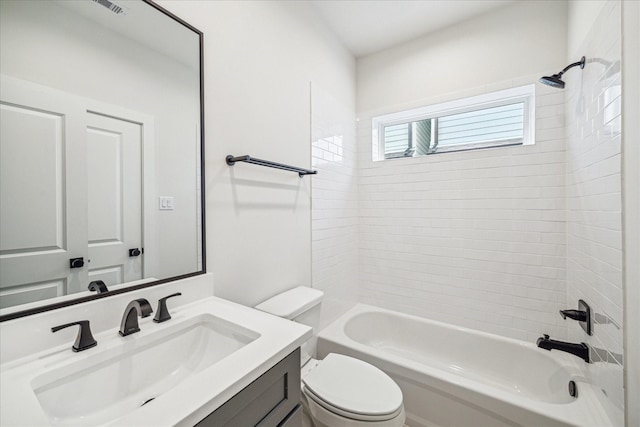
x: 79, y: 196
x: 43, y: 195
x: 114, y: 169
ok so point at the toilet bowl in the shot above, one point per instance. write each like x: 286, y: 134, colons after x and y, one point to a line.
x: 343, y: 391
x: 338, y: 391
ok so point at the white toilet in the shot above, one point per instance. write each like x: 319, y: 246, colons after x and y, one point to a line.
x: 338, y: 391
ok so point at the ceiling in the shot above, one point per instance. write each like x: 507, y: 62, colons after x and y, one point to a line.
x: 368, y: 26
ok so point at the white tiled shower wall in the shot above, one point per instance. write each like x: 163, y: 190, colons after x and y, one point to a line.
x: 334, y: 211
x: 472, y: 238
x: 594, y: 230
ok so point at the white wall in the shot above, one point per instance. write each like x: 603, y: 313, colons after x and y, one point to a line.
x: 108, y: 67
x: 581, y: 17
x: 260, y: 58
x: 631, y: 206
x: 471, y: 238
x: 514, y: 41
x: 594, y: 220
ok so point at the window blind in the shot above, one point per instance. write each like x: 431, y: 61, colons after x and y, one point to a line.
x: 494, y: 124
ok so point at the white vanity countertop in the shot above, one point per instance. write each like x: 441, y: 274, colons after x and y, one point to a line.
x: 186, y: 403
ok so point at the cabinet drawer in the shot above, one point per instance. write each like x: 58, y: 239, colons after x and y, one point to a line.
x: 294, y: 419
x: 266, y: 402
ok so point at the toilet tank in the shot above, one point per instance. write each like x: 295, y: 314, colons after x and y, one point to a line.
x: 302, y: 305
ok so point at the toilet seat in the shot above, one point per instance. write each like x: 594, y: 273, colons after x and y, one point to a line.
x: 312, y: 398
x: 353, y: 389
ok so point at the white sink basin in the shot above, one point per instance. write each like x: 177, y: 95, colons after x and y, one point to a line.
x: 209, y: 351
x: 122, y: 380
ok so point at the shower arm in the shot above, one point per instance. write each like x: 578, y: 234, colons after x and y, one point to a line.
x: 575, y: 64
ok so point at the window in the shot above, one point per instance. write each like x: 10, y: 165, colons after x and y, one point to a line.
x: 492, y: 120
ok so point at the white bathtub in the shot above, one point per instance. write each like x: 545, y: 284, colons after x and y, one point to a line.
x: 456, y: 377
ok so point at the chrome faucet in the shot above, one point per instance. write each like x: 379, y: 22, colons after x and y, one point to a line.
x: 581, y: 350
x: 137, y: 307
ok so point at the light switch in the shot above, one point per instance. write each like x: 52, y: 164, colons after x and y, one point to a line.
x: 166, y: 203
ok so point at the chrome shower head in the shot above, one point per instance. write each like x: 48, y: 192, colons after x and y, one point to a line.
x: 556, y: 79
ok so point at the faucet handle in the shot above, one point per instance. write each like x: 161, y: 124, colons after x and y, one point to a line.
x: 84, y: 339
x: 582, y: 315
x: 543, y: 338
x: 579, y: 315
x: 162, y: 313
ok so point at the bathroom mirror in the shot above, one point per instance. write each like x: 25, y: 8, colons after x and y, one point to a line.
x: 101, y: 150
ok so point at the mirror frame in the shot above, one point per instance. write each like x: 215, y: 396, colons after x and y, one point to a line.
x: 80, y: 300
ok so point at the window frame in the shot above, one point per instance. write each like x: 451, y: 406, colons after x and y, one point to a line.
x: 525, y: 94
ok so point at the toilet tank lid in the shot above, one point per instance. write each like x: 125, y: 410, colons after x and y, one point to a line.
x: 291, y: 303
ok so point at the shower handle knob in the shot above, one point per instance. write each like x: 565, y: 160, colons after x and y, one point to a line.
x: 578, y: 315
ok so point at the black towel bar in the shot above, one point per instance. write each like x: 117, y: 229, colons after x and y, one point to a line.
x: 248, y: 159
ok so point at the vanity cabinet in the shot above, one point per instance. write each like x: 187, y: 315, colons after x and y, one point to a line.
x: 272, y: 400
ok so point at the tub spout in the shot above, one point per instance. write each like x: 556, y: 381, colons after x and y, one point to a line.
x: 581, y: 350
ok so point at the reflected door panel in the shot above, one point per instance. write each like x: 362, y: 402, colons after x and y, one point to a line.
x: 43, y: 193
x: 114, y: 168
